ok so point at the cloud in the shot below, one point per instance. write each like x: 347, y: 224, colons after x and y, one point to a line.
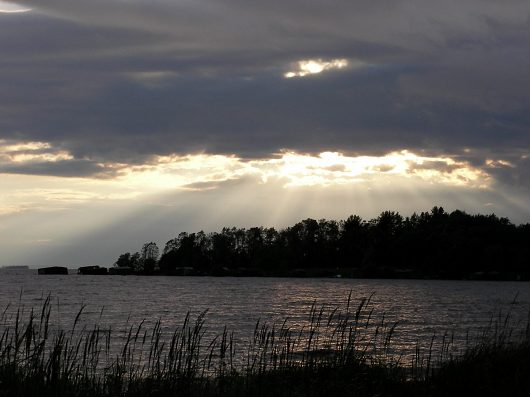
x: 112, y: 82
x: 40, y: 158
x: 206, y: 171
x: 10, y: 8
x: 64, y: 168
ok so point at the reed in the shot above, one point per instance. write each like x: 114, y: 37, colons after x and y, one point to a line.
x: 340, y: 350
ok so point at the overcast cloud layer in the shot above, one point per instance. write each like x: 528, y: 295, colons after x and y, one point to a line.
x: 122, y: 80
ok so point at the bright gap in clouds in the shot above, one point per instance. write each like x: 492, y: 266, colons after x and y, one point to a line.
x: 202, y: 171
x: 10, y: 8
x: 30, y: 152
x: 286, y: 170
x: 291, y: 169
x: 315, y: 66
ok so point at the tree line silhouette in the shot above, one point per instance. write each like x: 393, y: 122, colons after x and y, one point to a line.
x: 433, y: 244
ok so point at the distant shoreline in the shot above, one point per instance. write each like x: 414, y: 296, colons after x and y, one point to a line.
x: 428, y: 245
x: 342, y: 273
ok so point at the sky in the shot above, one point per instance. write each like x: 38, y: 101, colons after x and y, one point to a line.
x: 129, y: 121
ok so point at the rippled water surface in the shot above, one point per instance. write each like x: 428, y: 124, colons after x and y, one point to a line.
x: 422, y: 308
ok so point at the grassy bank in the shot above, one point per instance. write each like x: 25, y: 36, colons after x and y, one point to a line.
x: 339, y: 353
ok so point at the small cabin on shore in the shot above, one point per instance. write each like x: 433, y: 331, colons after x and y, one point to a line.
x: 121, y: 270
x: 53, y: 270
x: 92, y: 270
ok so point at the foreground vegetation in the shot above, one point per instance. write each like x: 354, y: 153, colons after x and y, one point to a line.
x: 433, y: 244
x: 338, y: 353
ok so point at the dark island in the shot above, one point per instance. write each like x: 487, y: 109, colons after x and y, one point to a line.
x: 430, y: 245
x: 92, y: 270
x: 53, y: 270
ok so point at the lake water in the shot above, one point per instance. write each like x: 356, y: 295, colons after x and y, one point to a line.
x: 422, y: 308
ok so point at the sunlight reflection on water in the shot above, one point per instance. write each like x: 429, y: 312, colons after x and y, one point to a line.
x: 422, y: 308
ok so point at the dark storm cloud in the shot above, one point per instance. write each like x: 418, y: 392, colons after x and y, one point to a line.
x: 122, y: 81
x: 62, y: 168
x: 434, y: 165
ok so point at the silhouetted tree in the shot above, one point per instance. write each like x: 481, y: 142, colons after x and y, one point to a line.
x: 150, y: 254
x: 136, y: 262
x: 124, y: 260
x: 429, y: 244
x: 127, y: 260
x: 352, y: 241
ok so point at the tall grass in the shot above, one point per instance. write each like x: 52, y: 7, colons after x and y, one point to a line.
x: 340, y: 348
